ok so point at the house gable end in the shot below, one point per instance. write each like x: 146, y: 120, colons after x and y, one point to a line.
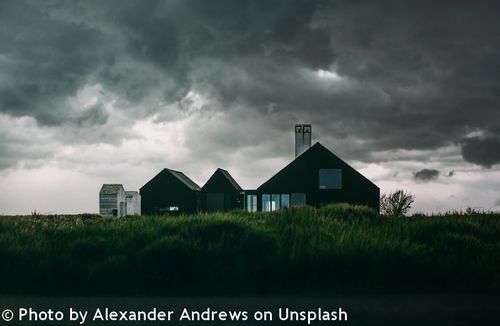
x: 299, y: 173
x: 221, y: 181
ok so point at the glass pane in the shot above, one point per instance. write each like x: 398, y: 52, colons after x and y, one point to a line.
x: 330, y: 179
x: 298, y: 199
x: 275, y: 203
x: 249, y: 203
x: 266, y: 203
x: 252, y: 203
x: 285, y: 200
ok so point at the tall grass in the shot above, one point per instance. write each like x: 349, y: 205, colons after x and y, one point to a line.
x: 333, y: 249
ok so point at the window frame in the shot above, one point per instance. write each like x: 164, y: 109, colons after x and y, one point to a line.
x: 268, y: 209
x: 288, y: 201
x: 298, y: 193
x: 251, y: 203
x: 322, y: 173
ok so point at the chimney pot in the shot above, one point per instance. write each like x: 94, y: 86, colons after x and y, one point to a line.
x: 302, y: 138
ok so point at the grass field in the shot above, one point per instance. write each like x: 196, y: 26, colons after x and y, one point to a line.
x: 331, y: 250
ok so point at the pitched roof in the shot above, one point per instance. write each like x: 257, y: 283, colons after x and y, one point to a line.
x: 230, y: 178
x: 317, y: 148
x: 184, y: 179
x: 221, y: 181
x: 110, y: 189
x: 131, y: 194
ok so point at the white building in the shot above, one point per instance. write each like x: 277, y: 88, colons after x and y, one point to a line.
x: 112, y: 200
x: 133, y: 203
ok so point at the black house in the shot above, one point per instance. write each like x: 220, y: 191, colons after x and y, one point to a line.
x: 170, y: 192
x: 222, y: 193
x: 317, y: 177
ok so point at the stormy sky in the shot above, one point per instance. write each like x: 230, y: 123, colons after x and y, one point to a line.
x: 92, y: 92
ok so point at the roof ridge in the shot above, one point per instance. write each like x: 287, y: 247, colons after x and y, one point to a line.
x: 111, y: 188
x: 230, y: 178
x: 184, y: 179
x: 318, y: 146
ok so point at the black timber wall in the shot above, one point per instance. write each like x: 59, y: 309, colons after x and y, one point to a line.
x: 302, y: 176
x: 219, y: 184
x: 164, y: 191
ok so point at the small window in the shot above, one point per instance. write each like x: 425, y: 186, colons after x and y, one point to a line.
x: 285, y: 200
x: 330, y: 179
x: 298, y: 199
x: 266, y: 203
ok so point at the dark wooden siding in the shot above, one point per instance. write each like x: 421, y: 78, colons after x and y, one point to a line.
x: 220, y: 194
x: 302, y: 176
x: 165, y: 191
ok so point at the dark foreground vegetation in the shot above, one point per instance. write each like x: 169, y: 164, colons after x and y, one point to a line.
x: 332, y: 250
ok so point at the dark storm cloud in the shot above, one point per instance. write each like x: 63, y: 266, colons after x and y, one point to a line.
x: 43, y: 61
x: 426, y: 174
x: 396, y: 75
x: 484, y: 152
x: 412, y: 74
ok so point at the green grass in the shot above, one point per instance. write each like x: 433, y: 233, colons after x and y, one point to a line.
x: 334, y: 249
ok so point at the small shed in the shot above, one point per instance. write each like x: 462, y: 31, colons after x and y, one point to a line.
x: 133, y: 203
x: 112, y: 200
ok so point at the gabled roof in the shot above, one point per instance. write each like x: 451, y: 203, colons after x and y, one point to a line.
x: 312, y: 153
x: 230, y: 178
x: 221, y: 181
x: 131, y: 194
x: 184, y: 179
x: 110, y: 189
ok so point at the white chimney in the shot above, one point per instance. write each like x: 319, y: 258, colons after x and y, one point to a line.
x: 302, y: 138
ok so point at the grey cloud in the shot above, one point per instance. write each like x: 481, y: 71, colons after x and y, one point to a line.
x: 405, y: 82
x: 497, y: 202
x: 426, y: 175
x: 410, y: 76
x: 481, y: 151
x: 11, y: 154
x: 23, y: 144
x: 93, y: 115
x: 44, y: 61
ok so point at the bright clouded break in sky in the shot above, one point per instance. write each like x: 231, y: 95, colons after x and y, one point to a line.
x: 92, y: 92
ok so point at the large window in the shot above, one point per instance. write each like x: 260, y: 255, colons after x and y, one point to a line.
x: 298, y: 199
x: 285, y: 200
x: 266, y: 202
x: 330, y: 179
x: 275, y: 202
x: 252, y: 203
x: 272, y: 202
